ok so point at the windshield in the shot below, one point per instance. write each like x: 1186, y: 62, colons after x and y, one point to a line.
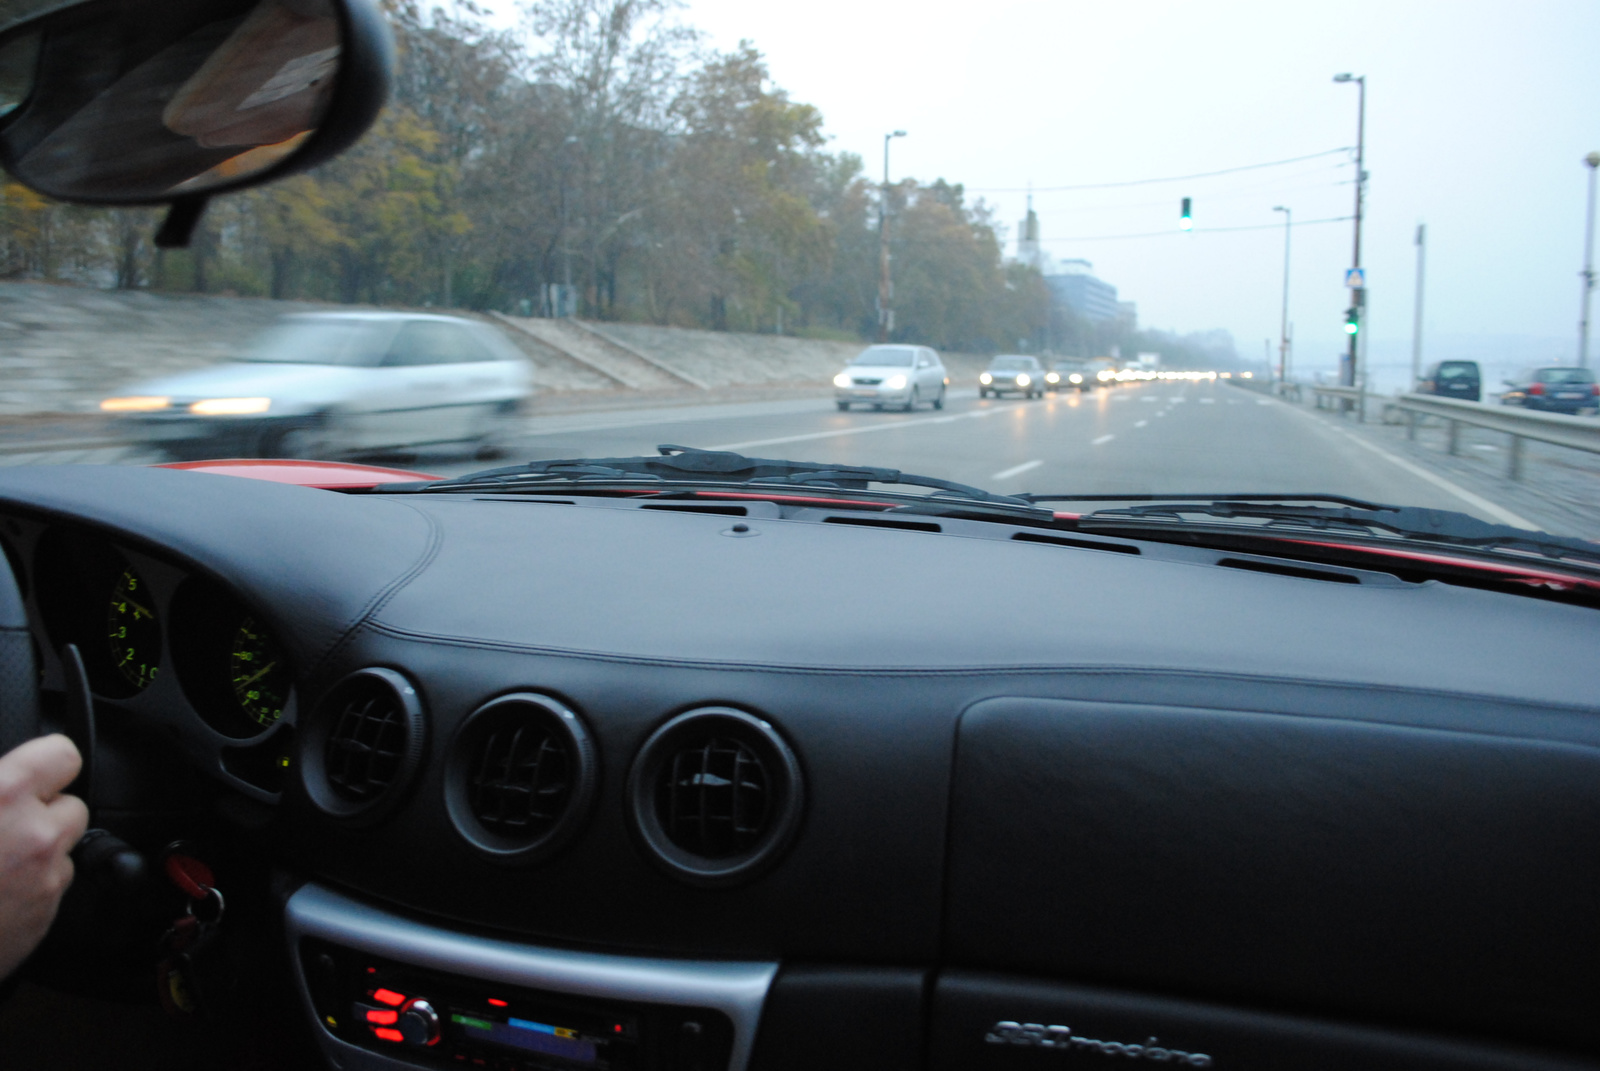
x: 810, y: 232
x: 341, y: 342
x: 887, y: 356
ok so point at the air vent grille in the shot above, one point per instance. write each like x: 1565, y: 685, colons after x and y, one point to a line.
x: 520, y: 777
x: 363, y: 744
x: 521, y: 780
x: 713, y: 797
x: 716, y: 795
x: 366, y: 745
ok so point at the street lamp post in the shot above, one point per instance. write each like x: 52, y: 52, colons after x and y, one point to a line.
x: 1416, y: 319
x: 1593, y: 161
x: 885, y: 286
x: 1358, y: 296
x: 1283, y: 326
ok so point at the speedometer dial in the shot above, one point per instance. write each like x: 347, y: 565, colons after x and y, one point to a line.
x: 132, y: 631
x: 257, y: 671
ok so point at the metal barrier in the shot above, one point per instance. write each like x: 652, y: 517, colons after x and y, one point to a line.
x: 1346, y: 399
x: 1557, y: 429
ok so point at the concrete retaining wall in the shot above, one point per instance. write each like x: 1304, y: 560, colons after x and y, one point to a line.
x: 63, y: 348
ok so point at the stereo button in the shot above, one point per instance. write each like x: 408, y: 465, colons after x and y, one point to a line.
x: 419, y: 1023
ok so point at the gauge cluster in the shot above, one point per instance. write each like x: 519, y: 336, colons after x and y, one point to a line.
x: 161, y: 646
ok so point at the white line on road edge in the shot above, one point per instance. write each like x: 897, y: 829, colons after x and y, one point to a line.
x: 1102, y: 439
x: 809, y: 436
x: 1504, y: 516
x: 1016, y: 470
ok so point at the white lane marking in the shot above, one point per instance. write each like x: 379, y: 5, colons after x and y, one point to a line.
x: 1504, y: 516
x: 839, y: 432
x: 1102, y: 439
x: 1149, y: 398
x: 1208, y: 401
x: 1016, y: 470
x: 1263, y: 401
x: 1162, y: 413
x: 1142, y: 423
x: 1176, y: 399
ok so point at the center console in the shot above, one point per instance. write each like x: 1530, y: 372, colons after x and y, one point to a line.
x: 389, y: 992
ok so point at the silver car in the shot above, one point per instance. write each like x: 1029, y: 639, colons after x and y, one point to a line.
x: 899, y: 375
x: 324, y: 384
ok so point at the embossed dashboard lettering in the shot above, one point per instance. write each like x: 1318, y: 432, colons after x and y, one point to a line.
x: 1040, y: 1036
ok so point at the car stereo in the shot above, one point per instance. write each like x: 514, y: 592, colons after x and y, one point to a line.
x: 433, y: 1018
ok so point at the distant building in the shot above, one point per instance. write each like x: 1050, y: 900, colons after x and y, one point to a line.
x: 1028, y: 239
x: 1075, y: 286
x: 1128, y: 315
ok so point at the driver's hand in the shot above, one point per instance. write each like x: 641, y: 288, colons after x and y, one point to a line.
x: 39, y: 825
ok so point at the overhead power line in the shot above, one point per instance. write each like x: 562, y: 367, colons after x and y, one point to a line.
x: 1153, y: 181
x: 1199, y: 230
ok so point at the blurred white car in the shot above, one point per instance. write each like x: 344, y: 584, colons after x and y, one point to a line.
x: 903, y: 376
x: 323, y: 384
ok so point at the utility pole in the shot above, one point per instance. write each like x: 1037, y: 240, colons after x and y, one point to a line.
x: 1593, y: 160
x: 1283, y: 325
x: 1416, y: 319
x: 1358, y: 295
x: 885, y: 285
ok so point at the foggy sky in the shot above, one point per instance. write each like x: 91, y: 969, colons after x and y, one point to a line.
x: 1478, y: 116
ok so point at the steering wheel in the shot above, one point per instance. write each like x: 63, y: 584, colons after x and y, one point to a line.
x: 19, y: 682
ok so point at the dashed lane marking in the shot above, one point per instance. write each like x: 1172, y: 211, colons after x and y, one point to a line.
x: 1102, y: 439
x: 841, y: 432
x: 1016, y: 470
x: 1141, y: 423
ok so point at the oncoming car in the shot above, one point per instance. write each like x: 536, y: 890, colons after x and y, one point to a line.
x: 1070, y: 374
x: 1012, y: 374
x: 325, y: 384
x: 898, y: 375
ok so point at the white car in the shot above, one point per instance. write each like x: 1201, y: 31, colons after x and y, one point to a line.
x: 898, y: 375
x: 323, y: 384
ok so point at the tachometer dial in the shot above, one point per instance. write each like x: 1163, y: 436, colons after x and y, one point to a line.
x: 132, y: 630
x: 258, y: 673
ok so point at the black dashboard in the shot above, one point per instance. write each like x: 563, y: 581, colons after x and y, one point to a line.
x: 748, y: 785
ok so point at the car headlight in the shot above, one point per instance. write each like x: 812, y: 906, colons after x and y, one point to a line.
x: 1051, y: 377
x: 1023, y: 379
x: 1075, y: 378
x: 986, y: 379
x: 135, y: 404
x: 230, y: 406
x: 895, y: 382
x: 842, y: 379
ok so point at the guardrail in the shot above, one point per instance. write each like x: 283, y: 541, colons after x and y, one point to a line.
x: 1347, y: 398
x: 1557, y: 429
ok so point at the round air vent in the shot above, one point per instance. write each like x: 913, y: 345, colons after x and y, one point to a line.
x: 716, y: 795
x: 363, y: 745
x: 520, y: 777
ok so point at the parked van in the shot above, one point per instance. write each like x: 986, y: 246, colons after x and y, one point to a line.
x: 1453, y: 379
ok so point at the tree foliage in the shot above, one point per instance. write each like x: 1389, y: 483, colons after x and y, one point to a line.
x: 597, y: 145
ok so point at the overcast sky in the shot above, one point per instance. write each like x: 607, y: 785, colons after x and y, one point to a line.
x: 1478, y: 116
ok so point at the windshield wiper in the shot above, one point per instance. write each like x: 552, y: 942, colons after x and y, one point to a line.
x: 1278, y: 516
x: 679, y: 465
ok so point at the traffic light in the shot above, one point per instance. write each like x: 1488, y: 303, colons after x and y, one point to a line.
x: 1352, y: 320
x: 1185, y: 217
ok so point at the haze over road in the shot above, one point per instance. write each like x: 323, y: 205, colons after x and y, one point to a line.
x: 1166, y: 437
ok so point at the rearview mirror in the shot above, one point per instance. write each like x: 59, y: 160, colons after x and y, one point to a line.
x: 124, y: 102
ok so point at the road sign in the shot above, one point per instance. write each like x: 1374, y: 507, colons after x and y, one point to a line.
x: 1355, y: 278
